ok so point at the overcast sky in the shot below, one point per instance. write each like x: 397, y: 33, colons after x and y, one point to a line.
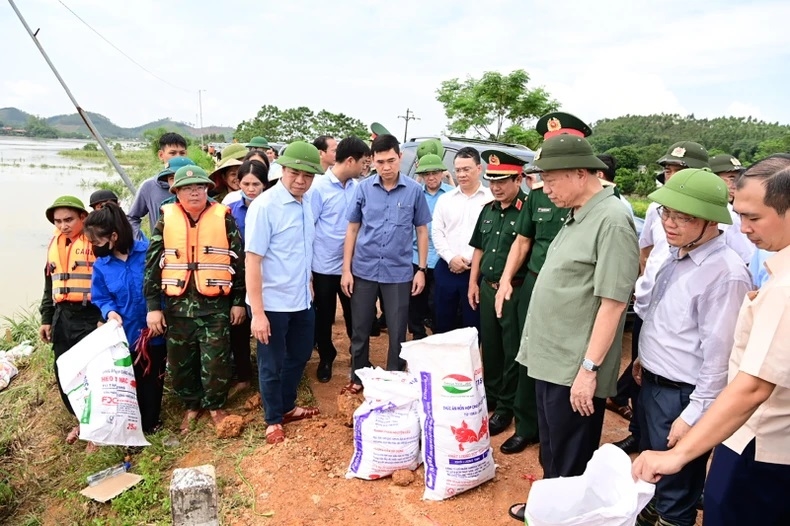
x: 372, y: 60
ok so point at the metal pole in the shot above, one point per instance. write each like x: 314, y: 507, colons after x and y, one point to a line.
x: 200, y: 103
x: 406, y: 127
x: 85, y: 118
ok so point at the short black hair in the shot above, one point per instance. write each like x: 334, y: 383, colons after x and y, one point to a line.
x: 385, y: 143
x: 467, y: 152
x: 102, y: 223
x: 171, y: 138
x: 321, y: 142
x: 774, y: 171
x: 353, y: 147
x: 257, y: 153
x: 611, y: 166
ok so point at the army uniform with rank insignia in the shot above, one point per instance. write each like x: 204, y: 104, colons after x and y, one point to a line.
x: 491, y: 239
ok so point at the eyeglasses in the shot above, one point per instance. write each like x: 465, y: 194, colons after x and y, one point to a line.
x: 676, y: 217
x: 193, y: 189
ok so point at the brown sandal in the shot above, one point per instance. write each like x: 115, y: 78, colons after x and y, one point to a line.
x: 275, y: 434
x: 622, y: 410
x: 352, y: 388
x: 300, y: 413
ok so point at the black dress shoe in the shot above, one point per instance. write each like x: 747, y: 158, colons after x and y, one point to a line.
x: 516, y: 444
x: 498, y: 423
x: 324, y: 372
x: 629, y: 444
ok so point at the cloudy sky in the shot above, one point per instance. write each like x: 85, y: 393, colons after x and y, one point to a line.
x: 372, y: 60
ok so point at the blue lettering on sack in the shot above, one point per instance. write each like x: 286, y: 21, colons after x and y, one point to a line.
x: 473, y: 460
x: 430, y: 447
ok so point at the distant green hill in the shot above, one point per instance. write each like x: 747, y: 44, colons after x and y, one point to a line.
x: 69, y: 124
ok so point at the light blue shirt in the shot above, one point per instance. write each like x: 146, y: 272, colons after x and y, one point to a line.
x: 757, y: 267
x: 282, y: 231
x: 329, y: 200
x: 387, y: 219
x: 433, y: 257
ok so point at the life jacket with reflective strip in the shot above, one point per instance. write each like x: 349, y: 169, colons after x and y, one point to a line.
x: 202, y: 249
x: 70, y: 268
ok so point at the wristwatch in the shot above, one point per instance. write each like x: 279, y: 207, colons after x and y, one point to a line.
x: 422, y: 269
x: 589, y: 365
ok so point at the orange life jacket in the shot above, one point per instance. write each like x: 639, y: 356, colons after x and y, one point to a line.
x: 70, y: 268
x: 202, y: 249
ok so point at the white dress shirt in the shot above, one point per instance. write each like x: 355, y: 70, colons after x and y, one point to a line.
x: 454, y: 220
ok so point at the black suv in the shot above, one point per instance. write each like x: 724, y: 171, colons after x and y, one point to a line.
x: 408, y: 163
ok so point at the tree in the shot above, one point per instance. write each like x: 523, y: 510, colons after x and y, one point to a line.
x: 298, y: 124
x: 38, y: 127
x: 493, y: 103
x: 626, y: 156
x: 518, y: 135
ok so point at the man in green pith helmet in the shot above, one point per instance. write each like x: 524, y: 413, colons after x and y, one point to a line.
x: 203, y: 292
x: 492, y: 238
x: 687, y: 334
x: 258, y: 143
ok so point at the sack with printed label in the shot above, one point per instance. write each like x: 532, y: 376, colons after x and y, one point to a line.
x: 456, y: 445
x: 98, y: 378
x: 386, y: 425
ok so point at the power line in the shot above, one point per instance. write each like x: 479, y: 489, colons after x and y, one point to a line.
x: 133, y: 61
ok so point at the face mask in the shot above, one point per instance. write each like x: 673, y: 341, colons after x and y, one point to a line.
x: 102, y: 250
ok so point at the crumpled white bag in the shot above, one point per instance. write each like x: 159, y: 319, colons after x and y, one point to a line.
x: 98, y: 378
x: 604, y: 495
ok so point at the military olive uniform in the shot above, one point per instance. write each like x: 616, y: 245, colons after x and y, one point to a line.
x: 198, y: 326
x: 494, y: 233
x: 540, y: 221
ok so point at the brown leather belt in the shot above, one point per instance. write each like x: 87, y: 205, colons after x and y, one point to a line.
x: 513, y: 283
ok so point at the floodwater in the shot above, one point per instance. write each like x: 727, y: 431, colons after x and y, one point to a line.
x: 33, y: 175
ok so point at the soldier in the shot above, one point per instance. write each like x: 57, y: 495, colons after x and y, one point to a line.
x: 194, y: 259
x: 493, y: 235
x: 67, y: 314
x: 260, y: 144
x: 729, y: 168
x: 377, y: 129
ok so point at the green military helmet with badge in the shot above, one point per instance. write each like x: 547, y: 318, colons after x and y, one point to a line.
x: 302, y: 156
x: 697, y: 192
x: 687, y: 154
x: 377, y: 129
x: 725, y: 163
x: 560, y: 123
x: 64, y: 201
x: 191, y: 174
x: 432, y: 146
x: 501, y: 165
x: 431, y: 163
x: 258, y: 142
x: 234, y: 151
x: 567, y: 152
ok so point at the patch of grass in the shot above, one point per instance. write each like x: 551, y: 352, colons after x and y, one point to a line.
x: 640, y: 205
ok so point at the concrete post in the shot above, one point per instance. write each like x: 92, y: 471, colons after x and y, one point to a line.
x: 193, y: 497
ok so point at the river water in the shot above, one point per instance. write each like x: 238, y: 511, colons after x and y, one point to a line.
x: 32, y: 176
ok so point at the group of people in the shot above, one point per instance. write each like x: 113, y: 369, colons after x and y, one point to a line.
x: 265, y: 249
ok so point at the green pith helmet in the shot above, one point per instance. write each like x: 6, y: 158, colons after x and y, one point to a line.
x: 696, y: 192
x: 258, y: 142
x: 430, y: 163
x: 724, y: 163
x: 566, y: 152
x: 558, y: 123
x: 190, y: 175
x: 378, y: 129
x: 64, y: 201
x: 501, y: 165
x: 303, y: 156
x: 433, y: 146
x: 233, y: 151
x: 687, y: 154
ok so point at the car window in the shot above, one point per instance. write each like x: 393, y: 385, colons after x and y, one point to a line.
x: 407, y: 162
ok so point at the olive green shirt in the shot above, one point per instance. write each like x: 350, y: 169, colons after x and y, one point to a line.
x: 494, y: 233
x: 540, y: 222
x: 595, y: 255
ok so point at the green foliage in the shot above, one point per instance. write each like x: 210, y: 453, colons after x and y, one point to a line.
x: 91, y: 147
x: 771, y: 146
x: 640, y: 205
x: 214, y: 137
x: 626, y: 180
x: 117, y: 147
x: 201, y: 158
x: 492, y: 104
x: 626, y: 156
x: 516, y: 134
x: 38, y: 127
x: 298, y: 124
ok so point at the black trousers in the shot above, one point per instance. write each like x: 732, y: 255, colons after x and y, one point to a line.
x: 567, y: 439
x: 240, y: 348
x: 420, y: 306
x: 327, y: 290
x: 627, y: 388
x: 151, y: 385
x: 70, y: 324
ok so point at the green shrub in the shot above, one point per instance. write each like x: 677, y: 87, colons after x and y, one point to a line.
x: 91, y: 147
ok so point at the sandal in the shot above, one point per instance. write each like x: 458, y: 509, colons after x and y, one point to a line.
x: 352, y: 388
x: 91, y: 448
x: 275, y: 434
x: 73, y: 435
x: 518, y: 514
x: 300, y: 413
x: 622, y: 410
x: 217, y: 416
x: 191, y: 416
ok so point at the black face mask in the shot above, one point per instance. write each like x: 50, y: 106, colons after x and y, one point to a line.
x: 102, y: 250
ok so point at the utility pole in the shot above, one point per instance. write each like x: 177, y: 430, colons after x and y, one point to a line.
x: 200, y: 104
x: 82, y: 113
x: 408, y: 117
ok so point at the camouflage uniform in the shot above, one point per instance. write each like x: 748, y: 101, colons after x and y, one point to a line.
x: 198, y: 326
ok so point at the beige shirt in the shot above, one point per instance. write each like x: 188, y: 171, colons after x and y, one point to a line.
x: 762, y: 349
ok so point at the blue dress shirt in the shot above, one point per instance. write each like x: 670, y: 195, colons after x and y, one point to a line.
x: 757, y: 267
x: 433, y: 257
x: 330, y: 200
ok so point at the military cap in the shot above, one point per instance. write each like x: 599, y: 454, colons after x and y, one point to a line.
x: 102, y: 196
x: 724, y: 163
x: 258, y: 142
x: 687, y: 154
x: 234, y: 151
x: 433, y: 146
x: 430, y: 162
x: 501, y: 165
x: 696, y: 192
x: 173, y: 165
x: 303, y: 156
x: 64, y: 201
x: 558, y: 123
x: 566, y: 152
x: 378, y: 129
x: 191, y: 174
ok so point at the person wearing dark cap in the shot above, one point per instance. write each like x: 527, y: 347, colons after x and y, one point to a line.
x: 492, y: 238
x: 167, y: 175
x: 729, y: 168
x: 258, y: 143
x: 67, y: 314
x: 585, y: 284
x: 560, y: 123
x: 100, y: 197
x: 377, y: 129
